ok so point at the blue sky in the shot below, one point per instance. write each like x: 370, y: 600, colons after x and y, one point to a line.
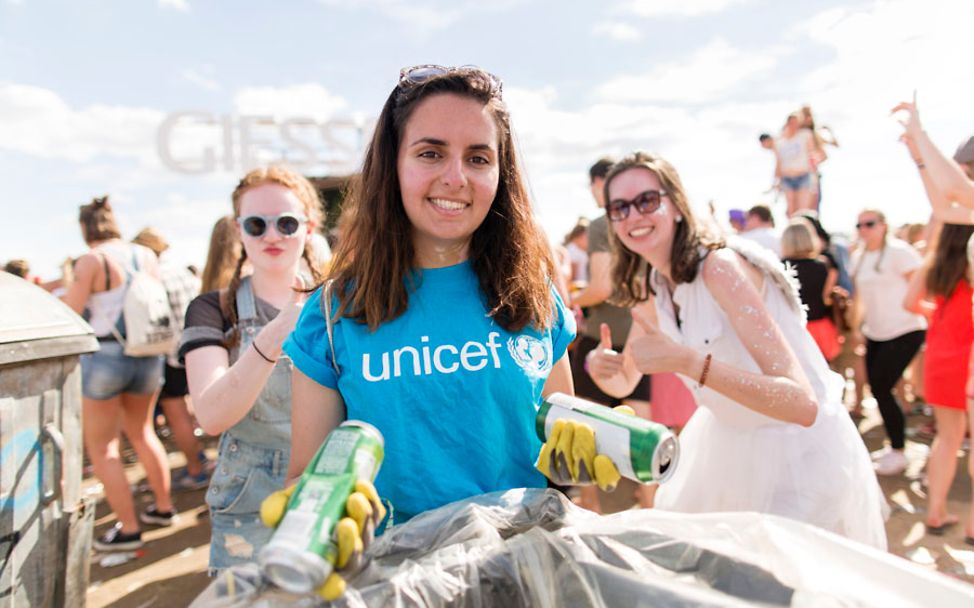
x: 85, y: 86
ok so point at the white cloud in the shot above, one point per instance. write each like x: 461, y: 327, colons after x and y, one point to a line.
x: 424, y: 17
x: 200, y: 79
x: 681, y: 8
x: 309, y: 99
x: 616, y: 30
x: 712, y: 71
x: 37, y: 121
x: 177, y: 5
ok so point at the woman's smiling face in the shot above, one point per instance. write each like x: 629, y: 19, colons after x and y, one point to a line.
x: 650, y: 234
x: 448, y: 172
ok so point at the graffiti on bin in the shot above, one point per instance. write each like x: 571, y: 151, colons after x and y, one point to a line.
x: 19, y: 450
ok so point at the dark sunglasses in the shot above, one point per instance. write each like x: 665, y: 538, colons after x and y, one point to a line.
x: 647, y: 202
x: 418, y: 74
x: 286, y: 224
x: 866, y: 224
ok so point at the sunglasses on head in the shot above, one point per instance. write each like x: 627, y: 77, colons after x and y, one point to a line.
x: 418, y: 74
x: 286, y: 224
x: 866, y: 224
x: 647, y: 202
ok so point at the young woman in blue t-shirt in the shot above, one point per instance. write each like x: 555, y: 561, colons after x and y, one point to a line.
x: 447, y: 330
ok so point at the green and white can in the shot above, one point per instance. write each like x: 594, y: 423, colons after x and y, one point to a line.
x: 302, y: 552
x: 643, y: 451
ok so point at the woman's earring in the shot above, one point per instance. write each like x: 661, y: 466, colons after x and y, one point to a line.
x: 679, y: 219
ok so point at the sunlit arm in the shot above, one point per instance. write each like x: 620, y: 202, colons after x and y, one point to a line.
x: 315, y: 411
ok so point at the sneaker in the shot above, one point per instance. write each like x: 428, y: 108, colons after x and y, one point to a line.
x: 116, y: 540
x: 892, y: 463
x: 878, y: 454
x: 156, y: 517
x: 185, y: 481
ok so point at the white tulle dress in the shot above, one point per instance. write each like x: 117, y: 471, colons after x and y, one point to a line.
x: 734, y: 459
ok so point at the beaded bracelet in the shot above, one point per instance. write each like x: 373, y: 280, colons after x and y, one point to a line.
x: 706, y: 370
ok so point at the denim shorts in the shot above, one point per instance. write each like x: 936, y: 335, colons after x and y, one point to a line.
x: 797, y: 182
x: 245, y: 475
x: 108, y: 372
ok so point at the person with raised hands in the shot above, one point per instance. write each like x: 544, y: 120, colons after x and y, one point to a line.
x: 239, y: 379
x: 770, y: 433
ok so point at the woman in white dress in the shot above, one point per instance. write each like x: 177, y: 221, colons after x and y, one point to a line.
x: 771, y: 434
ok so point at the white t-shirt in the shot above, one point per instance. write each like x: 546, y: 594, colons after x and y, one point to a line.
x: 579, y: 259
x: 793, y: 153
x: 882, y: 291
x: 765, y: 236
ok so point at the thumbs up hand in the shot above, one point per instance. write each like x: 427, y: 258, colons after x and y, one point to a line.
x: 602, y: 362
x: 654, y: 351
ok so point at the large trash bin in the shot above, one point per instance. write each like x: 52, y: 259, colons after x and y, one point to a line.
x: 45, y: 524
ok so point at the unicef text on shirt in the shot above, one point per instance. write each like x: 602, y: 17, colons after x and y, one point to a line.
x: 424, y: 361
x: 201, y: 142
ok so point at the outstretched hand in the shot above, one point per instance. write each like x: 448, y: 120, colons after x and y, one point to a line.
x: 654, y: 352
x: 911, y: 122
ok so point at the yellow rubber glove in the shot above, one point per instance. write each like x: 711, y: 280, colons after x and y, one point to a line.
x: 353, y: 533
x: 568, y: 457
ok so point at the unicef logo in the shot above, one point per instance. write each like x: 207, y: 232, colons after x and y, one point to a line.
x: 530, y: 354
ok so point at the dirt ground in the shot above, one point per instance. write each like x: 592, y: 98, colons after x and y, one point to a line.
x: 172, y: 570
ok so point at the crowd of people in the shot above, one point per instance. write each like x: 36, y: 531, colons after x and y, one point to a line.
x: 445, y: 317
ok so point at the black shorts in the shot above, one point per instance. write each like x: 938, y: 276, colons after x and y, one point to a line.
x: 586, y: 388
x: 174, y: 383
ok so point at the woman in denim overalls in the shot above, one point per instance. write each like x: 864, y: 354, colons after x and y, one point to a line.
x: 239, y: 380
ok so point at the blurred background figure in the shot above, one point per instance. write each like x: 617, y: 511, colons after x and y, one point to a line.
x: 737, y: 220
x: 117, y: 390
x: 882, y: 269
x: 759, y: 227
x: 181, y: 287
x: 800, y: 250
x: 222, y: 255
x: 576, y: 242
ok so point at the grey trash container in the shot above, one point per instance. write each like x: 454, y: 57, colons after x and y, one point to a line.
x: 45, y: 524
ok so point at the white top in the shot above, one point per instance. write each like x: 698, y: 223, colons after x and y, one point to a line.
x: 766, y: 237
x: 735, y: 459
x: 882, y: 291
x: 105, y: 307
x: 579, y: 259
x: 793, y: 153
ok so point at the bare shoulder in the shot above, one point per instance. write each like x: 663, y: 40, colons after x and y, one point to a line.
x: 728, y: 274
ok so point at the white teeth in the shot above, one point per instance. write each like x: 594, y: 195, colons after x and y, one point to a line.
x: 442, y: 203
x: 638, y: 232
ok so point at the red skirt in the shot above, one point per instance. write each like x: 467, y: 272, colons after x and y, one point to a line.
x: 826, y: 336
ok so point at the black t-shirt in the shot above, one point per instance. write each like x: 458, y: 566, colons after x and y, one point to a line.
x: 812, y: 275
x: 204, y: 314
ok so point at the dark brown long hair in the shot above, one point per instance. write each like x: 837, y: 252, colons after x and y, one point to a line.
x: 98, y: 221
x: 311, y: 204
x: 630, y: 272
x: 949, y: 264
x: 374, y: 263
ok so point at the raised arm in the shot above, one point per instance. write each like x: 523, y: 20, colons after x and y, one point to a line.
x: 947, y: 177
x: 224, y: 393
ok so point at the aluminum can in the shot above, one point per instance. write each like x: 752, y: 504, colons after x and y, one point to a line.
x: 301, y: 554
x: 643, y: 451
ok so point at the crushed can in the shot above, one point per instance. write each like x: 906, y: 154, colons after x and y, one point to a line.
x: 643, y: 450
x: 301, y: 554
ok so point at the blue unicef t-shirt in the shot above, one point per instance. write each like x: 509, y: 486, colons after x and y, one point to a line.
x: 454, y: 394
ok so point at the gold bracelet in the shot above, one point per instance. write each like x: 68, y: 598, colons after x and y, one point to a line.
x: 706, y: 370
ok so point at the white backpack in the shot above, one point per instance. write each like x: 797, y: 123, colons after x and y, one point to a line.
x: 149, y: 328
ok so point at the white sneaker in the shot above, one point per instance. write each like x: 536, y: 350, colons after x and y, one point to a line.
x: 892, y: 463
x: 877, y: 454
